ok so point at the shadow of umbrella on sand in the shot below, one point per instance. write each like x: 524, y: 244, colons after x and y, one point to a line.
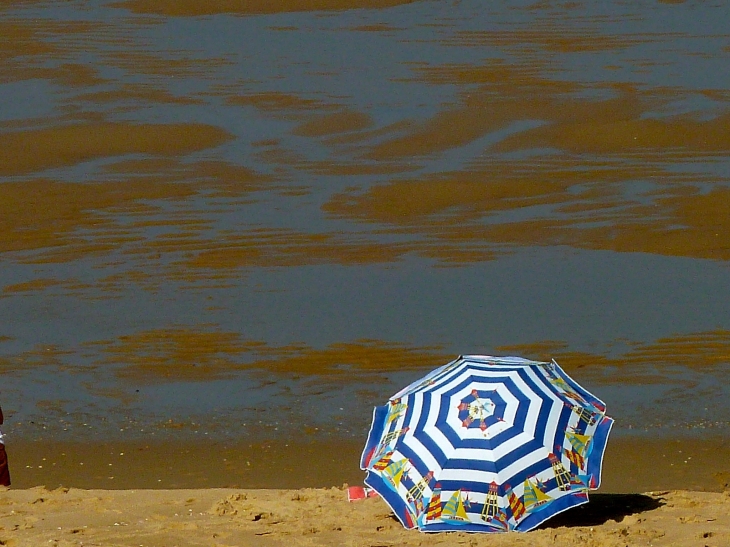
x: 486, y: 444
x: 605, y: 507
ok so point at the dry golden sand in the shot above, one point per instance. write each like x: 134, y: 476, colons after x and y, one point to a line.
x: 66, y: 517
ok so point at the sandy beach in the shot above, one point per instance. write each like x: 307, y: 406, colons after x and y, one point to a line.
x: 655, y: 492
x: 223, y: 517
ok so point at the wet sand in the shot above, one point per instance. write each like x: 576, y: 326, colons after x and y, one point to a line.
x: 631, y: 464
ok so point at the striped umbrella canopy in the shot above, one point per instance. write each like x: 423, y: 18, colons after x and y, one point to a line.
x: 486, y: 444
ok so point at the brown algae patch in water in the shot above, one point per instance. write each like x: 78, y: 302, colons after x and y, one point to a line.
x: 429, y: 203
x: 137, y: 93
x: 695, y: 350
x: 197, y: 354
x: 506, y: 94
x: 684, y: 222
x: 174, y: 353
x: 556, y: 39
x: 45, y: 216
x: 200, y: 353
x: 681, y: 137
x: 36, y: 48
x: 77, y: 75
x: 250, y: 7
x: 576, y: 201
x: 282, y: 247
x: 72, y: 75
x: 21, y: 38
x: 447, y: 200
x: 34, y: 285
x: 343, y: 357
x: 29, y: 44
x: 496, y: 95
x: 33, y: 150
x: 695, y: 225
x: 49, y: 221
x: 325, y: 118
x: 340, y: 129
x: 218, y: 178
x: 698, y: 350
x: 40, y: 356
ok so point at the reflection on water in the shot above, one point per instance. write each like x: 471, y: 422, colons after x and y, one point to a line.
x: 304, y: 198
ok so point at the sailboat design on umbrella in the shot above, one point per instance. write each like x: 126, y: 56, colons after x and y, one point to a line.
x: 455, y: 508
x: 394, y: 472
x: 534, y: 498
x: 579, y: 442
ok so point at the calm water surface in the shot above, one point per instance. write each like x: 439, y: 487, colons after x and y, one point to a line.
x: 238, y: 217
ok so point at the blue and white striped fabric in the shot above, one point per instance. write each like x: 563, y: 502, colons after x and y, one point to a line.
x: 487, y: 444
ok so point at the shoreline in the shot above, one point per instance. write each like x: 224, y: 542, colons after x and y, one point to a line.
x: 631, y: 464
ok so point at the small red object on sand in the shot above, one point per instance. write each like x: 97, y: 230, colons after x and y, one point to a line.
x: 356, y: 493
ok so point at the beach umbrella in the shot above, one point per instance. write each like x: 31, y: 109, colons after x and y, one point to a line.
x: 486, y: 444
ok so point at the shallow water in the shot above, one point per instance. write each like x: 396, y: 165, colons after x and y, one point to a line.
x: 239, y: 219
